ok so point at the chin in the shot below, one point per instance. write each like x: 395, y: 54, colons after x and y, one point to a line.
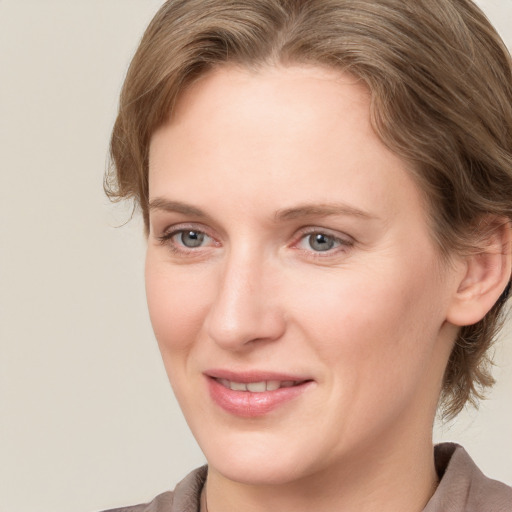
x: 259, y: 458
x: 257, y: 472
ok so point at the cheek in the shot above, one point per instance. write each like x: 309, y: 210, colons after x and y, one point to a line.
x: 176, y: 303
x: 371, y: 323
x: 378, y: 339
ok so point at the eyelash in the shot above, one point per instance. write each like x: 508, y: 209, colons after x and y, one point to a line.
x: 167, y: 236
x: 342, y: 244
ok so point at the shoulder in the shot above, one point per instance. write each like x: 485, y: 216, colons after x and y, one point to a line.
x: 463, y: 487
x: 163, y: 502
x: 184, y: 498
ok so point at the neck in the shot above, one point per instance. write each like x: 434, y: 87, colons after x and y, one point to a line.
x: 375, y: 479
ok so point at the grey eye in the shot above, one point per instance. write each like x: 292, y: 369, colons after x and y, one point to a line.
x: 321, y: 242
x: 191, y: 239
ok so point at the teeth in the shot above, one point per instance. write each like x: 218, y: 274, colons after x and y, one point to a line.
x: 238, y: 386
x: 257, y: 387
x: 272, y: 385
x: 225, y: 383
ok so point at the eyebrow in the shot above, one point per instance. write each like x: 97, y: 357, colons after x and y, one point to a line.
x: 304, y: 210
x: 159, y: 203
x: 321, y: 210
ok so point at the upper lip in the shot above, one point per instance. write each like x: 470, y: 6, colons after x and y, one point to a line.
x: 253, y: 376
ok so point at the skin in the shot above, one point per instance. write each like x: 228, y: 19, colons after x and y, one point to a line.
x: 368, y: 320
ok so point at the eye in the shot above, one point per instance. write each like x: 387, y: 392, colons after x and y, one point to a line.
x: 183, y: 240
x: 190, y: 238
x: 321, y: 242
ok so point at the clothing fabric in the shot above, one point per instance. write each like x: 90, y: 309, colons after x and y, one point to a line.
x: 462, y: 488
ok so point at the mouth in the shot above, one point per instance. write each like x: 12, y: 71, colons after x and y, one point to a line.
x: 259, y: 386
x: 252, y: 395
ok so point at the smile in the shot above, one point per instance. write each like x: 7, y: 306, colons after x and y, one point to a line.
x: 258, y: 387
x: 252, y: 395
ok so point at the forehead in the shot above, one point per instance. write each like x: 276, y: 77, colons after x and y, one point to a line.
x: 278, y: 136
x: 292, y: 96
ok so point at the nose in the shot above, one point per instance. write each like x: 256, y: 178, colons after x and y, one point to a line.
x: 245, y: 309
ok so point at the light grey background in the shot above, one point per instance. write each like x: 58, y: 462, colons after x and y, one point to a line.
x: 87, y: 419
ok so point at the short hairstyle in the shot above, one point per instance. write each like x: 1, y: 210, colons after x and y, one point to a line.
x: 441, y: 98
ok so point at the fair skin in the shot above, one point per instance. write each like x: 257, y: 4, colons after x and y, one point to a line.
x: 287, y: 242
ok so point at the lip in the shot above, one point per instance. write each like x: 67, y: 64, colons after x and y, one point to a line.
x: 247, y: 404
x: 253, y: 375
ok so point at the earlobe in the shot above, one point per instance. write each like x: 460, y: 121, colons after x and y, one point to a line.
x: 487, y: 273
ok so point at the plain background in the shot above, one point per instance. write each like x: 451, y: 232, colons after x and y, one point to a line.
x: 87, y: 419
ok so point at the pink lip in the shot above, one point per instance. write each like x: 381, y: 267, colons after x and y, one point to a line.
x: 252, y: 376
x: 247, y: 404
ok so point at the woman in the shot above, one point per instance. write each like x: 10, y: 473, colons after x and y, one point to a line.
x: 327, y: 193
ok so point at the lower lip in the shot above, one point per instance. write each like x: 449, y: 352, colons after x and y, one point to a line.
x: 247, y: 404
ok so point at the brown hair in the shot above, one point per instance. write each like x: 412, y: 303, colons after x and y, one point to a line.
x: 441, y: 85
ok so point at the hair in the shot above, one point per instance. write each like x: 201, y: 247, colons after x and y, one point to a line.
x: 440, y: 80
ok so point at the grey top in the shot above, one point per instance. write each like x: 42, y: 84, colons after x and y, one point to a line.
x: 463, y: 488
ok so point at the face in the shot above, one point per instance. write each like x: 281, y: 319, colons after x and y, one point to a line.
x: 296, y: 294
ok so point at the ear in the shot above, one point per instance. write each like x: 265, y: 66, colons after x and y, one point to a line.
x: 486, y: 274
